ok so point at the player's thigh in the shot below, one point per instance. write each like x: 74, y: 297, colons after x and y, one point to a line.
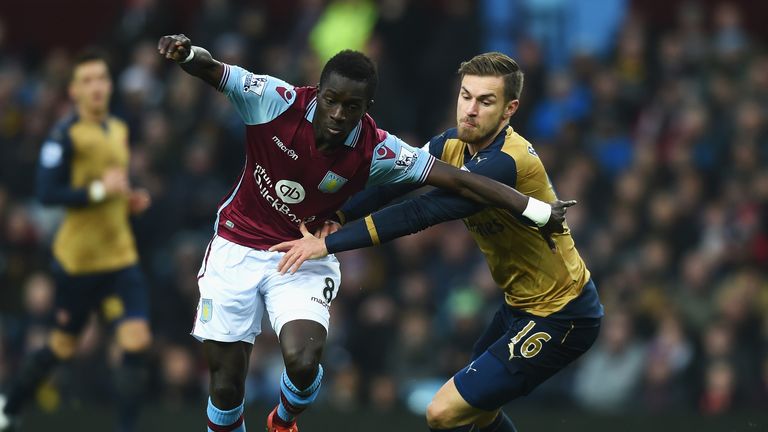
x: 76, y: 297
x: 449, y: 409
x: 230, y: 306
x: 532, y: 350
x: 129, y: 296
x: 495, y: 329
x: 304, y: 295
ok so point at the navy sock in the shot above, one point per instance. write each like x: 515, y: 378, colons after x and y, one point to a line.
x: 130, y: 383
x: 36, y: 368
x: 501, y: 423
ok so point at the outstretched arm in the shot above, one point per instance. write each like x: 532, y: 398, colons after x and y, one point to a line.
x: 486, y: 191
x: 371, y: 199
x: 395, y: 221
x: 193, y: 59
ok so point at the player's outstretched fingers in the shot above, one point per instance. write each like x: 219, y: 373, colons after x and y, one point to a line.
x: 300, y: 258
x: 282, y: 247
x: 291, y: 257
x: 283, y: 266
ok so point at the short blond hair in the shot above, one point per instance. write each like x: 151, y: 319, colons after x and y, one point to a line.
x: 496, y: 64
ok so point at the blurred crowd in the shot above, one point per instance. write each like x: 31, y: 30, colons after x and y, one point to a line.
x: 660, y: 132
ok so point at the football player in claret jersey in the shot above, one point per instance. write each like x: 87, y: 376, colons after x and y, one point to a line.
x: 307, y: 150
x: 551, y: 314
x: 84, y: 166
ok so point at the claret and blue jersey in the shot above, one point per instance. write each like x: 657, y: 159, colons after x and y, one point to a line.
x: 286, y: 180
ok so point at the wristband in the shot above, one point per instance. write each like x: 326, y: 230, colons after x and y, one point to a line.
x: 537, y: 211
x: 96, y: 191
x: 190, y: 56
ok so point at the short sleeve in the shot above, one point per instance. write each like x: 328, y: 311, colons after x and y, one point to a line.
x: 394, y: 161
x: 258, y: 99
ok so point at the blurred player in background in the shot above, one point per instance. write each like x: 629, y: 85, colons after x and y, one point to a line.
x: 84, y: 166
x: 308, y: 149
x: 552, y: 312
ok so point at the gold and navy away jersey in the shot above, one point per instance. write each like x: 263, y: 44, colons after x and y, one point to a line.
x: 533, y: 279
x: 94, y: 236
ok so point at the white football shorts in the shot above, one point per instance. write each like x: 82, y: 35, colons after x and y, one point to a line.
x: 237, y: 284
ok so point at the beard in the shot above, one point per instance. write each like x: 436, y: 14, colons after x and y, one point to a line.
x: 479, y: 133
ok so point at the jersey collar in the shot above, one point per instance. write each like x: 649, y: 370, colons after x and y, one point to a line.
x: 353, y: 136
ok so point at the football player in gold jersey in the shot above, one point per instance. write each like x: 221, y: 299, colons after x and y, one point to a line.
x: 551, y: 314
x: 83, y: 166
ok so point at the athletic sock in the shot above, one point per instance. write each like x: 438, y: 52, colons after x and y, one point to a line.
x: 501, y: 423
x: 293, y: 401
x: 130, y: 384
x: 225, y: 421
x: 36, y: 368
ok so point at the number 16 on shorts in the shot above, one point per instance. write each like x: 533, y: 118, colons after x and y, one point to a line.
x: 531, y: 346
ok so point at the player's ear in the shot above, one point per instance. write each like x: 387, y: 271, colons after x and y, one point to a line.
x: 370, y: 103
x: 511, y: 108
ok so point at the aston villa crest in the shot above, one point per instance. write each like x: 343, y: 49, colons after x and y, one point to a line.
x: 331, y: 183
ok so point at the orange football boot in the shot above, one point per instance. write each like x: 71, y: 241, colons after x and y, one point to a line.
x: 272, y: 427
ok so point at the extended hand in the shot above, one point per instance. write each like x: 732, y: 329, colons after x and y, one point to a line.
x: 174, y: 47
x: 298, y: 251
x: 556, y: 221
x: 115, y: 181
x: 139, y: 201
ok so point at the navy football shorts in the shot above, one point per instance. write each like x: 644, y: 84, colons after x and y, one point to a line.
x: 519, y: 351
x: 114, y: 295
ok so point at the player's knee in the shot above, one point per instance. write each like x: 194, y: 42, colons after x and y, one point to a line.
x: 226, y: 391
x: 134, y: 336
x: 63, y: 345
x: 301, y: 364
x: 441, y: 416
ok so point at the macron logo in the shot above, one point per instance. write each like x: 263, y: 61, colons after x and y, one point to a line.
x: 288, y: 151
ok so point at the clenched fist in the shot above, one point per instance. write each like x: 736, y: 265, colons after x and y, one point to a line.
x: 174, y: 47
